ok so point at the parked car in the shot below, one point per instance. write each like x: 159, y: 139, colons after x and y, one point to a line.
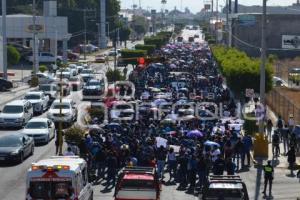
x: 76, y: 83
x: 100, y: 59
x: 68, y: 109
x: 73, y: 56
x: 42, y: 130
x: 38, y: 100
x: 51, y: 90
x: 64, y: 73
x: 43, y: 78
x: 278, y: 82
x: 93, y: 89
x: 65, y: 87
x: 74, y: 69
x: 79, y: 68
x: 15, y: 147
x: 87, y: 74
x: 112, y: 53
x: 16, y: 114
x: 5, y: 85
x: 45, y: 57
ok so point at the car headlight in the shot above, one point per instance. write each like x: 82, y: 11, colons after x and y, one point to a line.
x: 16, y: 152
x: 19, y: 119
x: 1, y: 120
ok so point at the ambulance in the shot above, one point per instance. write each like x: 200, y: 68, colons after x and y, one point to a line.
x: 59, y: 178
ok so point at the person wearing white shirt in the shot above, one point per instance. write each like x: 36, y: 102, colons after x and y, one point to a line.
x: 69, y: 152
x: 215, y: 153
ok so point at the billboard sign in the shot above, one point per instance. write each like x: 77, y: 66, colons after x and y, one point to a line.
x: 38, y: 28
x: 291, y: 42
x: 247, y: 20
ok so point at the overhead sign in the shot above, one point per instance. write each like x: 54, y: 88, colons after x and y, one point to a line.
x: 247, y: 20
x: 291, y: 42
x: 38, y: 28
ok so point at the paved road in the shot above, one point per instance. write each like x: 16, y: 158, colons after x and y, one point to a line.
x: 12, y: 182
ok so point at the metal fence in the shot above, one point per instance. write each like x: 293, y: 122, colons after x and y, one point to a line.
x: 282, y: 105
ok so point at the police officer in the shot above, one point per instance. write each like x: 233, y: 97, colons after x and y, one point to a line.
x: 269, y: 175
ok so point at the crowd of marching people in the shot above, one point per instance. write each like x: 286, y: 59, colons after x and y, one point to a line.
x: 187, y: 126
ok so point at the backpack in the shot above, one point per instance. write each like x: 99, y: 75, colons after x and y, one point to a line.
x: 280, y: 123
x: 276, y: 139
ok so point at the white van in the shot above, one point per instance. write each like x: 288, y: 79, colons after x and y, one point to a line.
x: 16, y: 114
x: 60, y: 177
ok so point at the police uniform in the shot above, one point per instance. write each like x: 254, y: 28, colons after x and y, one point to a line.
x: 268, y: 170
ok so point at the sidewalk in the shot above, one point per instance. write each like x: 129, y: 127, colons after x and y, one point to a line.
x: 15, y: 93
x: 281, y: 161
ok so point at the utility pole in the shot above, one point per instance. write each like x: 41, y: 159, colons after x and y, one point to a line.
x: 236, y: 6
x: 84, y: 22
x: 60, y: 123
x: 35, y: 52
x: 227, y: 20
x: 103, y: 38
x: 4, y: 40
x: 263, y: 64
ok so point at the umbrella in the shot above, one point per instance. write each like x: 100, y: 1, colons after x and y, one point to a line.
x: 159, y: 101
x: 155, y: 90
x: 195, y: 133
x: 114, y: 125
x: 211, y: 143
x: 173, y: 66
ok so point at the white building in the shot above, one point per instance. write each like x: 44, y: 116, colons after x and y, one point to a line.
x: 51, y: 28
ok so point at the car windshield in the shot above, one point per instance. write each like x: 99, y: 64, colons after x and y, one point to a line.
x: 73, y: 79
x: 47, y: 87
x: 32, y: 96
x: 86, y: 71
x: 61, y: 106
x: 147, y: 184
x: 51, y: 190
x: 226, y: 194
x: 12, y: 109
x: 10, y: 141
x: 36, y: 125
x: 93, y: 83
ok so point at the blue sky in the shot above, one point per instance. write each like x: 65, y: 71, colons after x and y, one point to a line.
x: 196, y: 5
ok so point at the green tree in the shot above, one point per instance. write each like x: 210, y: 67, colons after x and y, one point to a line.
x: 124, y: 34
x: 149, y: 48
x: 114, y: 75
x: 139, y: 24
x: 240, y: 70
x: 130, y: 56
x: 13, y: 55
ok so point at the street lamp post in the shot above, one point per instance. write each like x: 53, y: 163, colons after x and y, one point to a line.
x: 263, y: 64
x: 4, y: 40
x: 35, y: 42
x: 84, y: 22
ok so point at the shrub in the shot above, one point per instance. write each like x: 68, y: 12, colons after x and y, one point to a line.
x: 114, y: 75
x: 241, y: 72
x: 130, y: 56
x: 154, y: 40
x: 34, y: 82
x: 96, y: 112
x: 13, y: 55
x: 74, y: 134
x: 211, y: 41
x: 43, y: 68
x: 149, y: 48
